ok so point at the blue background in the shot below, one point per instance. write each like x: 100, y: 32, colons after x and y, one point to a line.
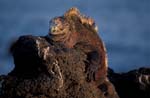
x: 124, y: 25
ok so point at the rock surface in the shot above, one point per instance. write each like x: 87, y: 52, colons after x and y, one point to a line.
x: 133, y: 84
x: 63, y: 64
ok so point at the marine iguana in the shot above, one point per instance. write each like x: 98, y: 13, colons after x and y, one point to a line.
x: 75, y: 30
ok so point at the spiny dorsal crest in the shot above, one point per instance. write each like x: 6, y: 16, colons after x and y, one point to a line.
x: 84, y: 19
x: 72, y: 11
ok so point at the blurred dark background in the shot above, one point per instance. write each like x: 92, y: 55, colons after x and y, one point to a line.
x: 124, y: 25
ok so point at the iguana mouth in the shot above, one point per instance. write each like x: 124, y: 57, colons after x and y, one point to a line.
x: 58, y: 37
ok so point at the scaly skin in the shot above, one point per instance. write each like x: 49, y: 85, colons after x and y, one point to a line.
x: 74, y: 30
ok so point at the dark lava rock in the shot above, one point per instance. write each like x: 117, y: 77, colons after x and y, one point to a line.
x: 46, y: 68
x: 133, y: 84
x: 43, y: 70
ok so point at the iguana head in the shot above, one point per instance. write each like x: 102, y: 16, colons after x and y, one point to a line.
x: 58, y: 26
x: 61, y: 27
